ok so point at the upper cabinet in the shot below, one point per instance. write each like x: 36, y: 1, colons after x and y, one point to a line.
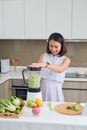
x: 1, y: 19
x: 79, y: 19
x: 59, y: 17
x: 35, y: 19
x: 13, y: 18
x: 67, y: 17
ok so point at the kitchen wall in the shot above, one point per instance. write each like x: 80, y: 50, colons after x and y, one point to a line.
x: 28, y: 51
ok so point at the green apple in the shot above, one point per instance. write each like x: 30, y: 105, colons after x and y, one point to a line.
x: 31, y: 103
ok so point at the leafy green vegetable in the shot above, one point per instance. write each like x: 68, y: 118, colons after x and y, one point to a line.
x: 6, y: 104
x: 2, y: 109
x: 18, y: 110
x: 75, y: 107
x: 13, y: 105
x: 16, y: 100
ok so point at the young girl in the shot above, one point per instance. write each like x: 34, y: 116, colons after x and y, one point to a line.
x: 54, y: 64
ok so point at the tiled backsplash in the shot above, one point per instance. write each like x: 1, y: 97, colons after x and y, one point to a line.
x: 28, y: 51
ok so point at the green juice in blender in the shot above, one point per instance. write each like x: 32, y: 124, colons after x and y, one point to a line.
x: 34, y: 80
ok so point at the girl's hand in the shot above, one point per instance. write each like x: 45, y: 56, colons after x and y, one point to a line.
x: 38, y: 65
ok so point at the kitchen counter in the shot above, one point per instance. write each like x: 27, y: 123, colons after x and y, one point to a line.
x: 18, y: 74
x: 12, y: 74
x: 44, y: 121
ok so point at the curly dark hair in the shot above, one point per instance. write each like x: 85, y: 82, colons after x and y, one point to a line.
x: 58, y: 38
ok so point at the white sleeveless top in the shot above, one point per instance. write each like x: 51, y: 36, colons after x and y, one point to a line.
x: 49, y: 74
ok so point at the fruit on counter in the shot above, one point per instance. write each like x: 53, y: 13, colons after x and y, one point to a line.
x: 75, y: 107
x: 34, y: 80
x: 36, y: 110
x: 50, y: 106
x: 31, y: 103
x: 39, y: 102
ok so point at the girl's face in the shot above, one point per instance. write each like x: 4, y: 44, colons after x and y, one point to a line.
x: 54, y: 47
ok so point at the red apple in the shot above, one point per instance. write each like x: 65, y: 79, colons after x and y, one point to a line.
x: 36, y: 110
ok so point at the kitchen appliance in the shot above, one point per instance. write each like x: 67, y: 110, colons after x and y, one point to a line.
x: 81, y: 74
x: 32, y: 74
x: 4, y: 65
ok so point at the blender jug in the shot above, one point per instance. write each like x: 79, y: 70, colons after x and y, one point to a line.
x: 32, y: 77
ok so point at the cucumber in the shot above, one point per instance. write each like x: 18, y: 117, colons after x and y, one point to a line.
x: 50, y: 106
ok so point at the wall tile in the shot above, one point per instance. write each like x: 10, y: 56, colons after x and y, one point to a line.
x: 28, y: 51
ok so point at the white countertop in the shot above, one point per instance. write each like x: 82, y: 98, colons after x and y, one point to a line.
x: 12, y: 74
x: 18, y: 74
x: 44, y: 121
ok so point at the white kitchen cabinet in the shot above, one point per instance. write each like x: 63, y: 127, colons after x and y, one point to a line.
x: 79, y: 19
x: 59, y: 17
x: 5, y: 89
x: 1, y: 19
x: 13, y: 19
x: 35, y: 19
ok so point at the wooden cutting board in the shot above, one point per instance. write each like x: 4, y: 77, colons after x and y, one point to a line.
x: 12, y: 115
x: 61, y: 108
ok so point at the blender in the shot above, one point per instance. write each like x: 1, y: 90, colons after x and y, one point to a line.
x: 32, y: 77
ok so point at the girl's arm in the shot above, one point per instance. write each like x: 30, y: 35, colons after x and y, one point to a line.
x: 60, y: 68
x: 56, y: 68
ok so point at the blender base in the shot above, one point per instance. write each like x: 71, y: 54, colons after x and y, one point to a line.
x: 33, y: 95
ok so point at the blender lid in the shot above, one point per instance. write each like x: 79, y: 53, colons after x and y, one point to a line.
x: 34, y: 68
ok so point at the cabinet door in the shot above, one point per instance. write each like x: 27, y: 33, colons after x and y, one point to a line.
x: 1, y: 19
x: 59, y: 17
x: 14, y: 19
x: 84, y: 96
x: 75, y: 91
x: 84, y: 92
x: 5, y: 89
x: 35, y: 19
x: 71, y: 95
x: 72, y: 91
x: 79, y: 19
